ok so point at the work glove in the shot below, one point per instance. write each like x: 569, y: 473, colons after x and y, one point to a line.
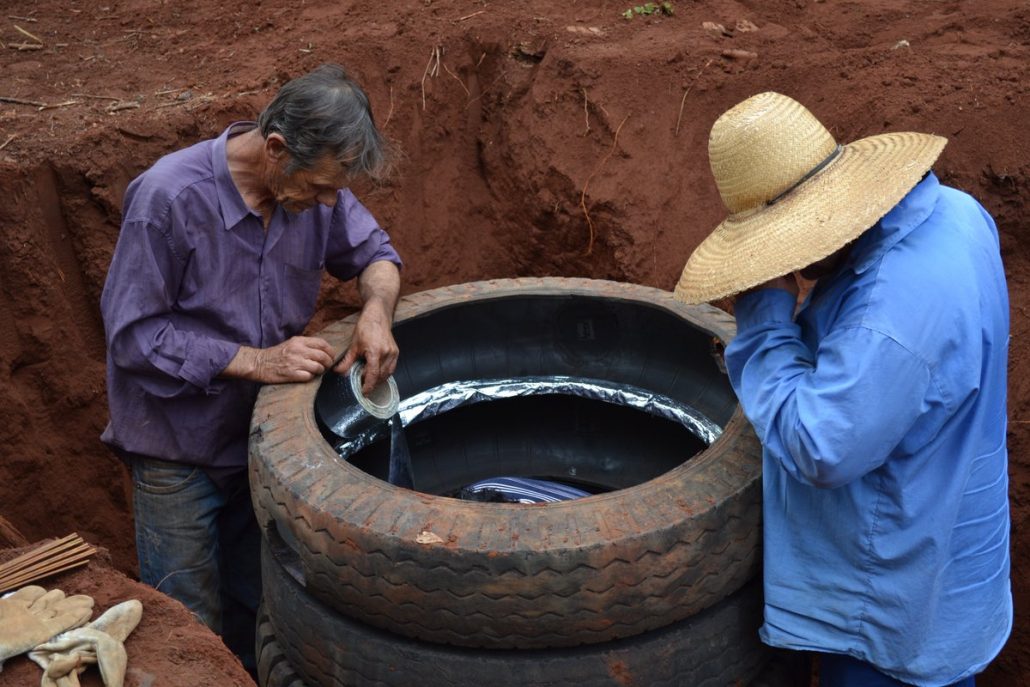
x: 101, y: 642
x: 33, y: 615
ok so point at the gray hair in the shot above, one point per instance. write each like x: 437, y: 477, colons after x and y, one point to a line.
x: 326, y: 112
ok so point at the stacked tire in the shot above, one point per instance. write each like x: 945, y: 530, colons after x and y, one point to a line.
x: 651, y: 583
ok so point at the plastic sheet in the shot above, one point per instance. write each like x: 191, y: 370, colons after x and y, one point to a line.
x: 453, y: 395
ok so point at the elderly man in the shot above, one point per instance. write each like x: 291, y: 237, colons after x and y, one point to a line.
x: 880, y: 402
x: 214, y: 277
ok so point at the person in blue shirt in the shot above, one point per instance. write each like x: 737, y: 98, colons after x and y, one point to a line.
x: 880, y: 401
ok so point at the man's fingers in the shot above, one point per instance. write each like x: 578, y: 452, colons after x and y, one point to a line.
x: 310, y: 366
x: 323, y: 359
x: 321, y: 344
x: 372, y: 372
x: 389, y: 364
x: 348, y: 359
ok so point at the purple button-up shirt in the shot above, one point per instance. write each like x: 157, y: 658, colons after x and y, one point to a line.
x: 194, y: 276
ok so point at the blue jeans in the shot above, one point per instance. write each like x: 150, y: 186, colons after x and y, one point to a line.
x: 199, y: 542
x: 836, y: 670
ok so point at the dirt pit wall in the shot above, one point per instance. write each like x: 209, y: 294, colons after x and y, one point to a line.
x: 537, y: 138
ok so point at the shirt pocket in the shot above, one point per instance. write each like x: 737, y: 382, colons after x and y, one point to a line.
x: 299, y: 296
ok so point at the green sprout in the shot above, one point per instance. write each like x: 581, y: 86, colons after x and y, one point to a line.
x: 650, y: 8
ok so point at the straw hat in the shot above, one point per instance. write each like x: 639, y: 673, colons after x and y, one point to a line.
x: 794, y: 195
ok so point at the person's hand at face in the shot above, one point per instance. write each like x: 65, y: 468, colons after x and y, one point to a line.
x: 787, y: 282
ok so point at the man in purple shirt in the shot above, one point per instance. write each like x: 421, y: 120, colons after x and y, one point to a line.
x: 214, y: 277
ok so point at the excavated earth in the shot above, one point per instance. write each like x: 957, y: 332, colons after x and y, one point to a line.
x: 168, y: 648
x: 537, y: 138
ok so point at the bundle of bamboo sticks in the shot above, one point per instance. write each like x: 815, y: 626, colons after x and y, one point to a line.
x: 45, y: 560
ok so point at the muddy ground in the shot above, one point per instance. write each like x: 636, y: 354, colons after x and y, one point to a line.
x: 168, y: 648
x: 538, y: 138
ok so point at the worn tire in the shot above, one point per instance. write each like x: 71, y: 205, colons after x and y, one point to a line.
x: 509, y: 576
x: 273, y: 668
x: 717, y: 647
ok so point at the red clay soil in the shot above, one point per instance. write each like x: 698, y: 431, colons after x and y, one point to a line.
x: 538, y: 138
x: 168, y: 648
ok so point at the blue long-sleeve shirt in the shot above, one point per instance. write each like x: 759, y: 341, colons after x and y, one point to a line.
x: 881, y: 409
x: 194, y: 276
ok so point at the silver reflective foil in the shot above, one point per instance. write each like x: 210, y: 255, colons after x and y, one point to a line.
x: 445, y: 397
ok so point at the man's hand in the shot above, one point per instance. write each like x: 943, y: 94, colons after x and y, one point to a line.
x: 299, y: 359
x: 374, y: 342
x: 787, y: 282
x: 379, y: 285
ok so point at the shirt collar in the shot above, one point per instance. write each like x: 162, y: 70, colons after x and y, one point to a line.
x: 908, y: 214
x: 230, y: 202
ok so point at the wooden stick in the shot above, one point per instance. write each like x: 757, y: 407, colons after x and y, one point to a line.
x: 28, y: 19
x: 13, y: 584
x: 43, y: 561
x: 583, y: 194
x: 96, y: 97
x: 26, y: 33
x: 39, y: 549
x: 9, y: 139
x: 684, y: 98
x: 29, y: 573
x: 430, y: 70
x: 467, y: 94
x: 61, y: 548
x: 25, y: 46
x: 127, y: 105
x: 19, y: 101
x: 469, y: 16
x: 66, y: 103
x: 71, y: 540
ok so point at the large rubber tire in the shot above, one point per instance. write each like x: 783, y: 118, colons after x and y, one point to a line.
x: 715, y: 648
x: 273, y: 668
x: 504, y: 575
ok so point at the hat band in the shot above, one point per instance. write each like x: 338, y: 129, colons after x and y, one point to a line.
x: 811, y: 173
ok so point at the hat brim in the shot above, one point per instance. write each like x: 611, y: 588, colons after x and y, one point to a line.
x: 820, y: 216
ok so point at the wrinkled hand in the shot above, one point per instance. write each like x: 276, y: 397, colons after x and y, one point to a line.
x: 787, y: 282
x: 299, y: 359
x: 33, y: 615
x: 373, y: 341
x: 101, y: 642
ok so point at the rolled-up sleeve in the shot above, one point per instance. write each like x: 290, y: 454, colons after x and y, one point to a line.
x: 830, y: 416
x: 137, y: 304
